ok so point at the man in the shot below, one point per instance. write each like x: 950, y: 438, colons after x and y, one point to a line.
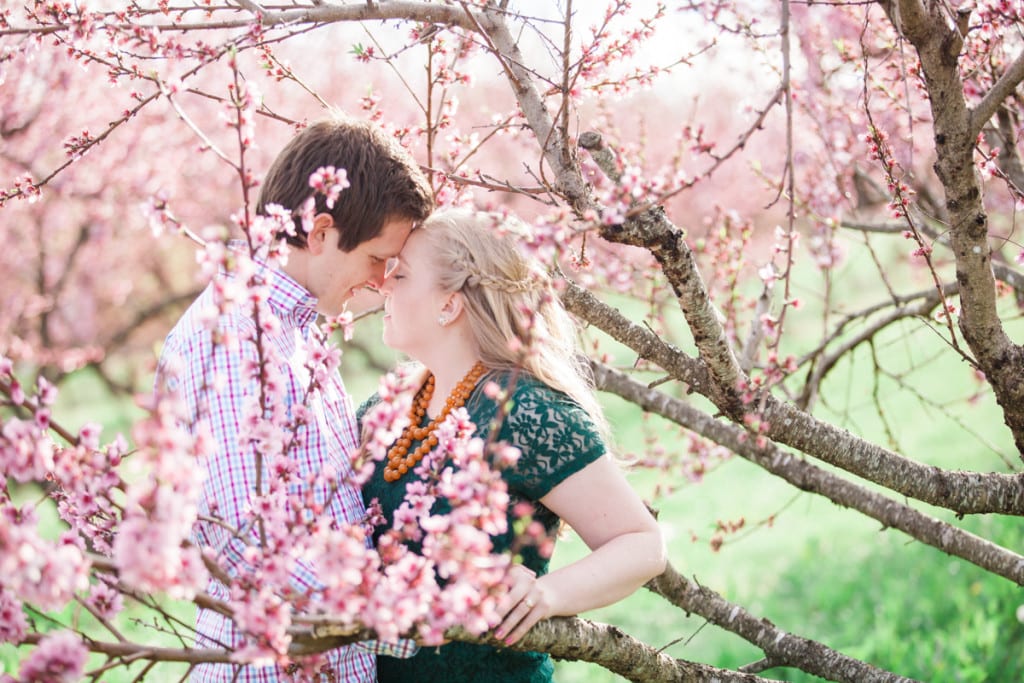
x: 336, y: 249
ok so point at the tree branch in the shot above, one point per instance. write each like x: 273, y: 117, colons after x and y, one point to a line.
x: 823, y: 363
x: 808, y: 477
x: 993, y: 99
x: 783, y: 649
x: 1003, y: 272
x: 962, y: 492
x: 938, y: 45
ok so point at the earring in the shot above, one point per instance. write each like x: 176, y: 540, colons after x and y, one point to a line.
x: 442, y: 320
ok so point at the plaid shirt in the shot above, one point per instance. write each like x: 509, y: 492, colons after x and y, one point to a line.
x: 189, y: 364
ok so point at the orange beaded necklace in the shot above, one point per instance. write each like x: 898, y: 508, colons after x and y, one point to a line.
x: 399, y: 462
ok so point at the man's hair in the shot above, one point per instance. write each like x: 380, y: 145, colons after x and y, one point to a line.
x: 385, y: 184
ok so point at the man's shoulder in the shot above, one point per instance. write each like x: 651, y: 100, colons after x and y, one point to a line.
x: 198, y: 320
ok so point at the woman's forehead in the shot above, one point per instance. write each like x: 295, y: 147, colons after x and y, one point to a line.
x: 414, y: 247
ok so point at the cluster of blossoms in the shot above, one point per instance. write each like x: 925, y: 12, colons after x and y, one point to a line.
x: 329, y: 181
x: 161, y: 505
x: 60, y: 657
x: 899, y: 205
x: 33, y: 569
x: 89, y: 480
x: 604, y: 52
x: 23, y: 187
x: 456, y: 544
x: 455, y: 581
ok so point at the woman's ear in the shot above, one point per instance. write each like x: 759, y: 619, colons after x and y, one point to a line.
x: 452, y: 308
x: 319, y: 237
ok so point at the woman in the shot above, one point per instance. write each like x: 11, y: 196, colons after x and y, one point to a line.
x: 458, y: 301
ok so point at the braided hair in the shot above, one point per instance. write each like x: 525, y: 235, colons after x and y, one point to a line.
x: 515, y: 315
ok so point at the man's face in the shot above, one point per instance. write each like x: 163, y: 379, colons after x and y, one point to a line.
x: 338, y: 274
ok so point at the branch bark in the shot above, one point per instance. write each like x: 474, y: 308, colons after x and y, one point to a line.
x: 938, y: 44
x: 993, y: 99
x: 581, y: 640
x: 783, y: 649
x: 808, y: 477
x: 962, y: 492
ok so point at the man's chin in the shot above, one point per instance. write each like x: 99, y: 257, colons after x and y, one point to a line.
x: 361, y: 299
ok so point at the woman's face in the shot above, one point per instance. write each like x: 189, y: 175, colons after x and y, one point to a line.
x: 413, y: 300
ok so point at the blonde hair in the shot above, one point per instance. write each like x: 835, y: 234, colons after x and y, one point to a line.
x: 515, y: 316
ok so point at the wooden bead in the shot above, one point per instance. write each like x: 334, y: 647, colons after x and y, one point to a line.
x: 399, y: 460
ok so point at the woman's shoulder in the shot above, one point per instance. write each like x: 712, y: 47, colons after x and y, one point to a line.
x: 535, y: 407
x: 366, y: 406
x: 530, y: 393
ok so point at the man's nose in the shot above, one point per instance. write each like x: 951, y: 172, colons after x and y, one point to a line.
x: 383, y: 285
x: 377, y: 276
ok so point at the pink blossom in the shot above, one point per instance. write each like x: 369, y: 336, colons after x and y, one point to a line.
x: 265, y: 618
x: 26, y: 451
x: 13, y: 624
x: 403, y: 597
x: 59, y: 658
x: 47, y: 392
x: 161, y: 506
x: 343, y: 322
x: 35, y: 569
x: 329, y: 181
x: 105, y: 600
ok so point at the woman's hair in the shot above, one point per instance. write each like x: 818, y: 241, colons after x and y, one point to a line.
x: 515, y: 315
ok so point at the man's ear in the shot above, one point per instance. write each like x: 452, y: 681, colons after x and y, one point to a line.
x: 322, y: 235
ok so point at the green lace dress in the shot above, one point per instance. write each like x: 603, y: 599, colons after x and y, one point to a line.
x: 556, y: 439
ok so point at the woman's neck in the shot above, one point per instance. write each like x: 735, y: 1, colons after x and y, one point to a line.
x: 446, y: 377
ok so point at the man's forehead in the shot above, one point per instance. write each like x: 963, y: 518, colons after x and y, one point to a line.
x: 390, y: 240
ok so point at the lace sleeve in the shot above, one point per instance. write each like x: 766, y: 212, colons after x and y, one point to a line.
x: 555, y: 436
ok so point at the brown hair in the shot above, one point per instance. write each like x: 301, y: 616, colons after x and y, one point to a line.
x: 384, y: 182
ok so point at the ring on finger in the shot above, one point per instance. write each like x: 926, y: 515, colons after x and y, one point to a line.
x: 528, y: 602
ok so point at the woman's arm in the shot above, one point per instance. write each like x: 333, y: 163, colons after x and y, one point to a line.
x: 625, y: 540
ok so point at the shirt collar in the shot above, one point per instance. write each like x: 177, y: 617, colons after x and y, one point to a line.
x: 286, y: 295
x: 292, y: 298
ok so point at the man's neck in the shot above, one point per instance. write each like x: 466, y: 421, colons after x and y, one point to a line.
x: 297, y: 267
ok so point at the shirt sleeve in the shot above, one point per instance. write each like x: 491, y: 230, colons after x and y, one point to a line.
x: 555, y: 436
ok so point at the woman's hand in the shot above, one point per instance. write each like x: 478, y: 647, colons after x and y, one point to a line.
x: 524, y: 605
